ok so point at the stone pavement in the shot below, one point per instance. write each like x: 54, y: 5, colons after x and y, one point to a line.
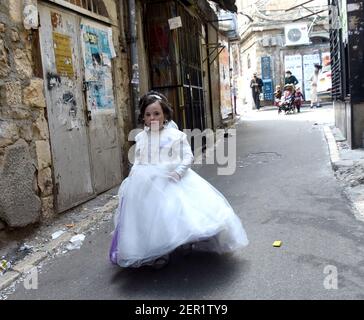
x: 347, y: 164
x: 23, y: 250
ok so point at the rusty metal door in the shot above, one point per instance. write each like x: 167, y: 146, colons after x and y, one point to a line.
x: 59, y: 42
x: 84, y: 142
x: 102, y: 119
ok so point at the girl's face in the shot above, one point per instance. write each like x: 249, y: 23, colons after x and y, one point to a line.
x: 154, y: 116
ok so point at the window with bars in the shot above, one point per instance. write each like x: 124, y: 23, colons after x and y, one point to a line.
x: 336, y: 77
x: 95, y: 6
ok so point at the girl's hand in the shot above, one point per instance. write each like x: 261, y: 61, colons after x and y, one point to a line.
x: 174, y: 176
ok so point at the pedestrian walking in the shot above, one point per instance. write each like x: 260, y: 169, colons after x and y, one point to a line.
x: 256, y: 84
x: 163, y: 203
x: 315, y: 101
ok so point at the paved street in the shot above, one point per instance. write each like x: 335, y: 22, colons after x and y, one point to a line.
x: 283, y: 189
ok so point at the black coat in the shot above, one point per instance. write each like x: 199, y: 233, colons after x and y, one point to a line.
x: 290, y: 80
x: 256, y: 85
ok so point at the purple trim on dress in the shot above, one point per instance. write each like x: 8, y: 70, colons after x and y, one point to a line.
x: 113, y: 254
x: 114, y: 247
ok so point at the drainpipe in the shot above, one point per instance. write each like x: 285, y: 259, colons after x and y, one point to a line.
x: 133, y: 59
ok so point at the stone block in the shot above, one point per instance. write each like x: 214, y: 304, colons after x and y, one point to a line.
x: 4, y: 64
x: 25, y: 131
x: 19, y: 113
x: 23, y: 65
x: 40, y: 128
x: 48, y: 207
x: 16, y: 11
x: 33, y: 94
x: 43, y: 154
x: 45, y: 182
x: 14, y: 36
x: 10, y: 93
x: 8, y: 133
x: 19, y: 205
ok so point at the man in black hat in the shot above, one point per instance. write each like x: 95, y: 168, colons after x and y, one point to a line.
x: 290, y: 78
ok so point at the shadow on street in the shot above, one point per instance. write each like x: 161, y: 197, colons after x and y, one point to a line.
x: 196, y: 275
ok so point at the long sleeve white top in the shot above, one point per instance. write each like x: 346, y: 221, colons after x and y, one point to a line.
x: 168, y: 147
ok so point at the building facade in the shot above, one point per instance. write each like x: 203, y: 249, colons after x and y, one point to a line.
x: 276, y: 36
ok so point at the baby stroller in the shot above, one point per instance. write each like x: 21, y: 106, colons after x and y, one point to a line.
x: 287, y: 103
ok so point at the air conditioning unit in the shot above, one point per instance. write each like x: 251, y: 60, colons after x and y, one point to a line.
x: 296, y: 34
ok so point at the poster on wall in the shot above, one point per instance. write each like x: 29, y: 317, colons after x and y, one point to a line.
x: 309, y: 61
x: 63, y: 54
x: 97, y: 55
x: 266, y: 77
x: 293, y: 63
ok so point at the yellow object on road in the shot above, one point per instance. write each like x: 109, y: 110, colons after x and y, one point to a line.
x: 277, y: 243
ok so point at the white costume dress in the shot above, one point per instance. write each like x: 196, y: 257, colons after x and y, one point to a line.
x: 156, y: 214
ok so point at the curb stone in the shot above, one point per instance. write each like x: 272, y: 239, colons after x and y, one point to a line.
x: 356, y: 200
x: 8, y: 278
x: 33, y: 259
x: 333, y: 149
x: 30, y: 262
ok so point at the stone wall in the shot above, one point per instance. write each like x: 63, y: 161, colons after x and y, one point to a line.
x: 25, y: 160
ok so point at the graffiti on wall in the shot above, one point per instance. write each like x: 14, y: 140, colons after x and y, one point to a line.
x: 53, y: 80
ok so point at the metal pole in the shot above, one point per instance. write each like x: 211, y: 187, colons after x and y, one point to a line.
x: 133, y: 59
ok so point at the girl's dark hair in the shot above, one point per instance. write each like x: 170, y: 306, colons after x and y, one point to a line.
x: 151, y: 97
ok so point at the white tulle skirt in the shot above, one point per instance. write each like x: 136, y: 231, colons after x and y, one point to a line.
x: 156, y: 215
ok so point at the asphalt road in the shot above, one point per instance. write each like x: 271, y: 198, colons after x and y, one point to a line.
x: 283, y: 189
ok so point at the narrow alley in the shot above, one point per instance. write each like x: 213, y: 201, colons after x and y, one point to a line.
x: 283, y: 189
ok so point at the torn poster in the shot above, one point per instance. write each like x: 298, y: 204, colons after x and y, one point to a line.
x: 97, y: 53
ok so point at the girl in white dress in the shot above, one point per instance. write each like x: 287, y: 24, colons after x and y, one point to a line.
x: 163, y: 203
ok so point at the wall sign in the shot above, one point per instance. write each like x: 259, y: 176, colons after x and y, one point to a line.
x: 63, y: 54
